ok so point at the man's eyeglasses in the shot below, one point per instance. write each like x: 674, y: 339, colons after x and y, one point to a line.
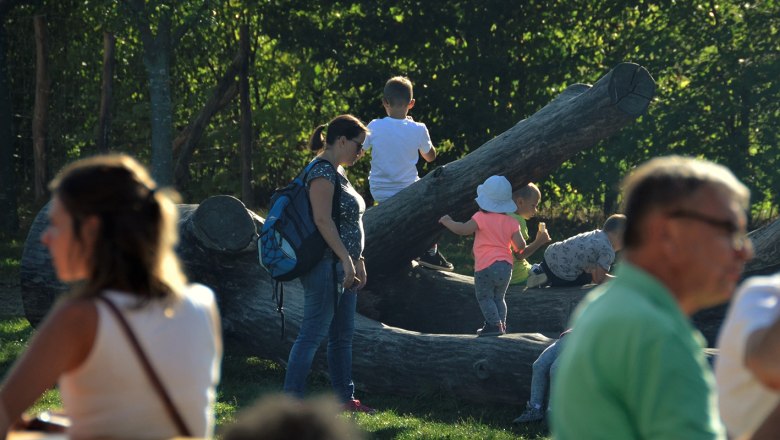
x: 739, y: 238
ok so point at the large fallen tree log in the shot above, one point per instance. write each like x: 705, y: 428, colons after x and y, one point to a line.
x: 766, y: 243
x: 218, y: 249
x: 430, y: 301
x: 405, y: 225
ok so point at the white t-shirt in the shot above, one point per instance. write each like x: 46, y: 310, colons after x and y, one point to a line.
x: 394, y: 145
x: 744, y: 402
x: 110, y: 396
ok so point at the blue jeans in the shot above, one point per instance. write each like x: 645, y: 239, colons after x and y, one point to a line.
x: 323, y: 315
x: 490, y: 286
x: 544, y: 369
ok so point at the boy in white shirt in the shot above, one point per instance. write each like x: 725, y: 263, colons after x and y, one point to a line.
x: 396, y: 142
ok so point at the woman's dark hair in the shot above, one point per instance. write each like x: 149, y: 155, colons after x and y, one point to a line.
x: 343, y: 125
x: 133, y: 249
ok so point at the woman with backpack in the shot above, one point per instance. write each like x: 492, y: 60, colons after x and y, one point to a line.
x: 330, y: 287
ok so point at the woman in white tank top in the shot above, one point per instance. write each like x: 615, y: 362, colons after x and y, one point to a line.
x: 111, y: 228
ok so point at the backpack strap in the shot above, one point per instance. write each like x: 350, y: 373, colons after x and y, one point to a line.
x: 278, y: 297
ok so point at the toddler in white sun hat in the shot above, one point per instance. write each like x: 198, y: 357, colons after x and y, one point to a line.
x: 495, y: 234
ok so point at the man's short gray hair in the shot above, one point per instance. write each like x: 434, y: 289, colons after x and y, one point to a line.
x: 666, y: 183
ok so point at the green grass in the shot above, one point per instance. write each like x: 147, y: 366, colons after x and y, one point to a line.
x: 10, y: 259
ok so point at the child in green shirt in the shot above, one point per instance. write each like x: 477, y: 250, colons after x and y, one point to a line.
x: 527, y: 199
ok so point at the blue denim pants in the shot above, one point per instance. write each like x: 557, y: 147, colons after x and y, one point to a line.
x: 324, y: 315
x: 544, y: 369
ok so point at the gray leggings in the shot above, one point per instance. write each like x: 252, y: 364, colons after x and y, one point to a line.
x: 490, y: 286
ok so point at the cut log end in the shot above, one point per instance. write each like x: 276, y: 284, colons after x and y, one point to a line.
x: 222, y: 223
x: 631, y: 88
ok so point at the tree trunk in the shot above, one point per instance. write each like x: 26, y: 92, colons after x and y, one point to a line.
x: 9, y: 216
x: 184, y: 145
x: 41, y: 111
x: 407, y: 224
x: 106, y: 93
x: 246, y: 120
x: 157, y: 59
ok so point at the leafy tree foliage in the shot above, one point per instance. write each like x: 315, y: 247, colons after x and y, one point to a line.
x: 479, y: 66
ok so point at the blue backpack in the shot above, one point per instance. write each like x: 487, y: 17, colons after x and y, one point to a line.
x: 290, y: 243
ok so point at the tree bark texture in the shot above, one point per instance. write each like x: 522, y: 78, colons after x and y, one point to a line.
x: 41, y: 110
x: 157, y: 62
x: 402, y: 227
x: 106, y: 92
x: 766, y: 242
x: 157, y: 52
x: 246, y: 119
x: 9, y: 215
x: 430, y: 301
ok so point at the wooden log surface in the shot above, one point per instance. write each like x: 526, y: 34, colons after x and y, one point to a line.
x: 430, y: 301
x: 766, y: 242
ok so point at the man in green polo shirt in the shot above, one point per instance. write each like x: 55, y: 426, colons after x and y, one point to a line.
x: 634, y: 369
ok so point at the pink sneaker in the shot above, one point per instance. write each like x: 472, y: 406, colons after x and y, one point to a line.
x: 354, y: 405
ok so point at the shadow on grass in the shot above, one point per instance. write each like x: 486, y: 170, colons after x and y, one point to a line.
x: 388, y: 433
x: 439, y: 407
x: 14, y: 334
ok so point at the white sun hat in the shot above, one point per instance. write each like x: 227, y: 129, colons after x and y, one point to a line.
x: 495, y: 195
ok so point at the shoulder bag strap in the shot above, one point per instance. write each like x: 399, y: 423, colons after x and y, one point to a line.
x: 150, y: 373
